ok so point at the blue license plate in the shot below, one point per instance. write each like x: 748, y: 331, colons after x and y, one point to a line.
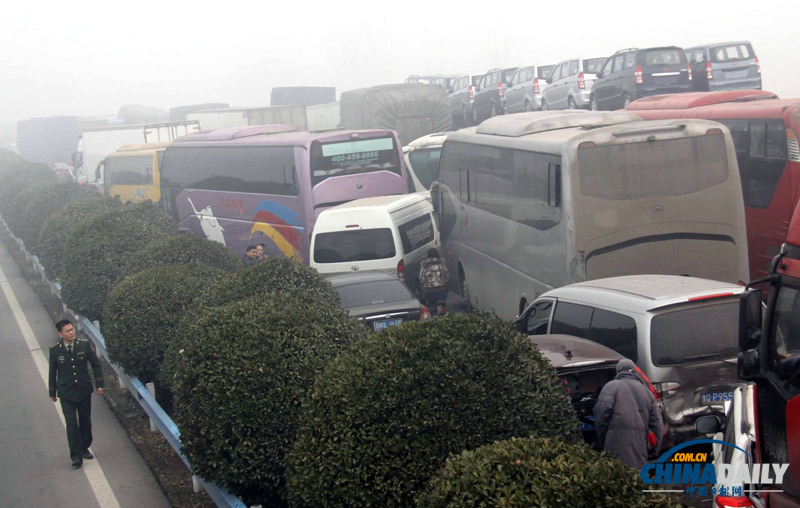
x: 380, y: 325
x: 716, y: 397
x: 587, y: 426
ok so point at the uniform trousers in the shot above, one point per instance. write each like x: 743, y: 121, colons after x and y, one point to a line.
x: 78, y: 416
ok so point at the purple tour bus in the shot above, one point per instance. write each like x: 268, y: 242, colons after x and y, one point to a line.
x: 268, y: 183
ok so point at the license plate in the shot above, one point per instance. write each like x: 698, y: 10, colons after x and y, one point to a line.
x: 587, y: 426
x: 714, y: 397
x: 380, y: 325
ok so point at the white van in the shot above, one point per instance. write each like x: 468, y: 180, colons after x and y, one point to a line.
x: 387, y: 233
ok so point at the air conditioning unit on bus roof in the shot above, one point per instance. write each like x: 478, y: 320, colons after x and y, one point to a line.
x: 523, y: 124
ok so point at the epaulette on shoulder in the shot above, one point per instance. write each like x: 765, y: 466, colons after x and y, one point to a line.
x: 54, y: 345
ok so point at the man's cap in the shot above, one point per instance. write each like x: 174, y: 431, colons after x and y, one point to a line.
x: 625, y: 365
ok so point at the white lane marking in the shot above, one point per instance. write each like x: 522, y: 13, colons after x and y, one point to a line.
x: 91, y: 468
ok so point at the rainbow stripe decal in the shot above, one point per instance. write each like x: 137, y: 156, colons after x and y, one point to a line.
x: 281, y: 225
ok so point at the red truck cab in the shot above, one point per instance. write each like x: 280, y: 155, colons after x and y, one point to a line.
x: 770, y: 357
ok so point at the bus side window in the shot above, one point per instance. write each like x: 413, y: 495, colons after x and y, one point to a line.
x: 758, y: 140
x: 554, y: 185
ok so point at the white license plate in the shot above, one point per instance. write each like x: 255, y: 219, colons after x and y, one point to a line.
x: 715, y: 397
x: 380, y: 325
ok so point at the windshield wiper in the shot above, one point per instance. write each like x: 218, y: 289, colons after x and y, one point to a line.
x: 700, y: 357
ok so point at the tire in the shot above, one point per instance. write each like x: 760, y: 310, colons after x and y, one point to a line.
x: 626, y: 99
x: 593, y: 103
x: 571, y: 103
x: 528, y: 106
x: 545, y: 107
x: 464, y: 290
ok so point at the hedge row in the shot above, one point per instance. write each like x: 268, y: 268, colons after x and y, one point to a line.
x: 284, y: 399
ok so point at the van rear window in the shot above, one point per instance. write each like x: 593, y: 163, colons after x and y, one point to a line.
x: 695, y: 334
x: 354, y: 245
x: 663, y: 57
x: 351, y: 157
x: 668, y: 167
x: 593, y: 65
x: 731, y: 53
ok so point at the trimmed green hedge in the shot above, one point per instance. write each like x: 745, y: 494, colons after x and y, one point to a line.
x: 240, y: 381
x: 59, y: 227
x: 16, y: 178
x: 387, y: 413
x: 143, y: 311
x: 37, y: 203
x: 182, y: 249
x: 275, y: 274
x: 101, y: 246
x: 520, y: 473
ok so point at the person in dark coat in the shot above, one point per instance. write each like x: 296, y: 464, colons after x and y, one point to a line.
x: 624, y: 414
x: 69, y: 379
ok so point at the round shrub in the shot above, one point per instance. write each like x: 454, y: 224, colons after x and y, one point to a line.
x: 142, y: 313
x: 240, y: 382
x: 37, y: 203
x: 183, y: 249
x: 17, y: 178
x: 101, y: 246
x: 274, y: 274
x: 61, y: 226
x: 387, y: 413
x: 537, y: 472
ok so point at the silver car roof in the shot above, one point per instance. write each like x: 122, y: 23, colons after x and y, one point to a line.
x: 643, y: 293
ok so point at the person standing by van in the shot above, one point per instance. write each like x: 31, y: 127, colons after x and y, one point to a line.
x: 624, y: 414
x: 433, y: 281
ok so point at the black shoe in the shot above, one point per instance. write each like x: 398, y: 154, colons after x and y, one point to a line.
x: 77, y: 463
x: 88, y: 455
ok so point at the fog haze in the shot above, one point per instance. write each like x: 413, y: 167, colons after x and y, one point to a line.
x: 89, y: 58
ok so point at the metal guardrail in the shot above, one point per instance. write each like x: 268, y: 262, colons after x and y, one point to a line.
x: 157, y: 415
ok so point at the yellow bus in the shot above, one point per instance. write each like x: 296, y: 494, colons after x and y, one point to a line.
x: 132, y: 172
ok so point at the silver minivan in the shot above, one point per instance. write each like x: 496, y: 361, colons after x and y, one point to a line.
x: 570, y: 84
x: 525, y: 88
x: 682, y: 332
x: 724, y: 66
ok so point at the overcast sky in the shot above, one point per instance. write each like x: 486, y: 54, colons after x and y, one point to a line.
x: 88, y: 58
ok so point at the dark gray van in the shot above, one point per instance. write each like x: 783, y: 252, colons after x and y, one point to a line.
x: 631, y: 74
x: 724, y: 66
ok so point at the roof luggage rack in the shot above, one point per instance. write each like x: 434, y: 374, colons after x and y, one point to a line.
x: 523, y: 124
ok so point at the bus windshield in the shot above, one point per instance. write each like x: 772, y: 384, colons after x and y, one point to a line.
x: 352, y: 157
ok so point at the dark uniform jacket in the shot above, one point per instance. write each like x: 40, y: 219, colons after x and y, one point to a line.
x: 69, y: 373
x: 625, y: 411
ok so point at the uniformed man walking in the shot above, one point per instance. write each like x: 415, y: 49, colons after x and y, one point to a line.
x: 69, y: 377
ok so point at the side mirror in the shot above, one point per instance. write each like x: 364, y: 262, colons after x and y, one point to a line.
x: 749, y: 319
x: 748, y: 366
x: 709, y: 424
x: 548, y: 80
x: 599, y: 74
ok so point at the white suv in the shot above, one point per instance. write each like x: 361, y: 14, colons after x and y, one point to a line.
x: 682, y: 332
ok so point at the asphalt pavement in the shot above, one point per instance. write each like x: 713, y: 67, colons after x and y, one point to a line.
x: 35, y: 468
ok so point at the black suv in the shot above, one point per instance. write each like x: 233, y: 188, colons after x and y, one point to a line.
x: 489, y: 99
x: 634, y: 73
